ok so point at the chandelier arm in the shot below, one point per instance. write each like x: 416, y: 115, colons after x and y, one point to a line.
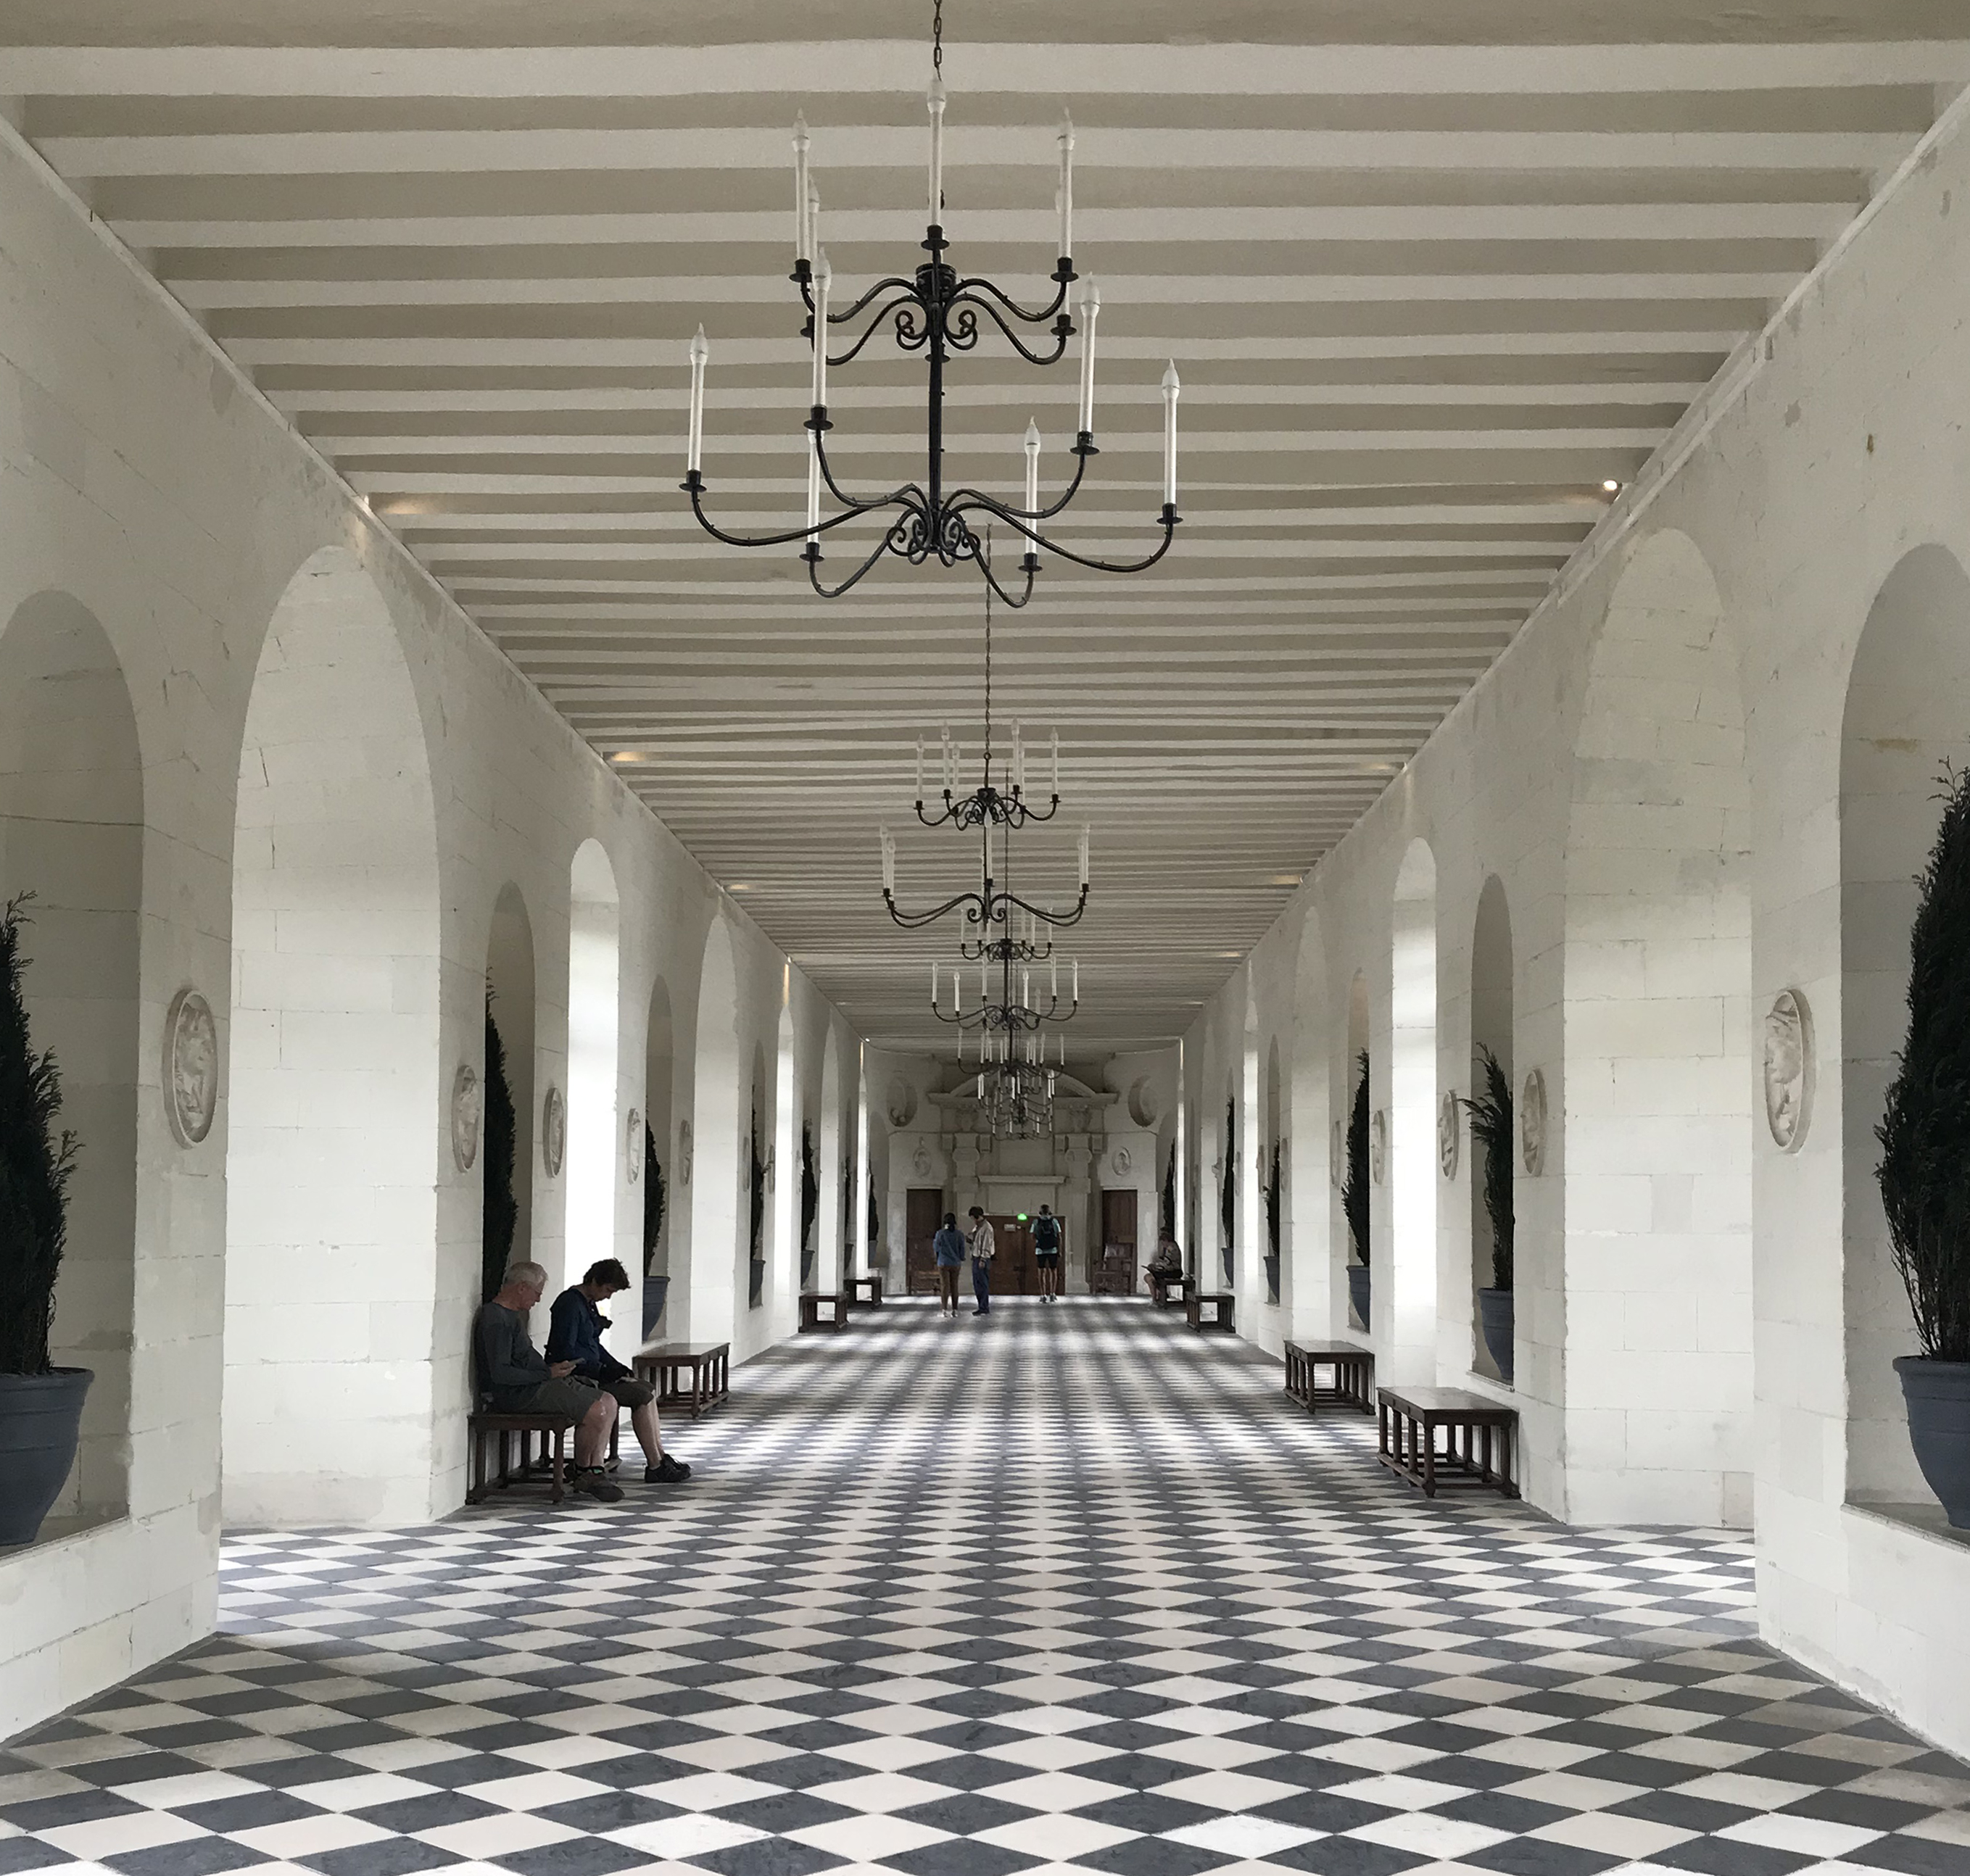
x: 909, y: 498
x: 1062, y: 919
x: 869, y: 331
x: 889, y: 544
x: 1018, y: 517
x: 894, y: 283
x: 1012, y: 338
x: 911, y: 921
x: 694, y: 484
x: 992, y: 580
x: 1170, y: 519
x: 969, y: 288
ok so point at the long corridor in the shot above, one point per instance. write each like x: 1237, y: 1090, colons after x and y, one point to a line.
x: 1067, y: 1588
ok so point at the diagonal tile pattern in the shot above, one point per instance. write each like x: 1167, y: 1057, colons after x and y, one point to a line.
x: 1069, y: 1590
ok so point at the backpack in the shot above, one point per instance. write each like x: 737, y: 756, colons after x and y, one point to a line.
x: 1046, y: 1234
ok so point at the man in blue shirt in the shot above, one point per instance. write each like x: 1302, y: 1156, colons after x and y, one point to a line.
x: 574, y: 1334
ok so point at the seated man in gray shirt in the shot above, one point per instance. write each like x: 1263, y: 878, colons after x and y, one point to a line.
x: 515, y: 1377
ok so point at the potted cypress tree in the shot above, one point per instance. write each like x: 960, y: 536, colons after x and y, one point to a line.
x: 810, y: 1202
x: 1490, y: 1111
x: 40, y: 1405
x: 756, y: 1261
x: 1354, y: 1194
x: 1924, y: 1172
x: 501, y: 1212
x: 1228, y: 1188
x: 1272, y: 1228
x: 656, y: 1197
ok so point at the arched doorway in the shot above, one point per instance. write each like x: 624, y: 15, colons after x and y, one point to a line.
x: 335, y: 1103
x: 1413, y: 1174
x: 1907, y: 717
x: 595, y: 1163
x: 72, y: 835
x: 710, y: 1164
x: 1649, y: 1120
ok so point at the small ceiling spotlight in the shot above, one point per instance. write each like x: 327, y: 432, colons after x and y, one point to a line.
x: 1610, y: 487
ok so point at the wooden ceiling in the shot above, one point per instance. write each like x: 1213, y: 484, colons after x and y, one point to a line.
x: 1426, y: 298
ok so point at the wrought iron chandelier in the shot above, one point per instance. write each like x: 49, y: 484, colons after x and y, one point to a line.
x: 936, y: 311
x: 1003, y: 932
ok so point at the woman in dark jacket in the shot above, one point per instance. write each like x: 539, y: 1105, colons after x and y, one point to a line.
x: 949, y: 1246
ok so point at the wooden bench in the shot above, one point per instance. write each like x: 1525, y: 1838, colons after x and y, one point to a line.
x: 1162, y: 1282
x: 1412, y: 1418
x: 1209, y: 1309
x: 825, y: 1310
x: 863, y: 1293
x: 1353, y: 1375
x: 666, y: 1365
x: 486, y: 1429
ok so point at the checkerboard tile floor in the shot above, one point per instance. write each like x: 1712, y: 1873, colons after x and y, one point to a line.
x: 1071, y: 1589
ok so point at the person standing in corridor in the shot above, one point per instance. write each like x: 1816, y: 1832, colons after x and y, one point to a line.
x: 948, y: 1247
x: 983, y: 1249
x: 1046, y: 1252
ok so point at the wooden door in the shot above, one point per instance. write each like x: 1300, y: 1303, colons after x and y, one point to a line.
x: 1114, y: 1272
x: 1014, y: 1273
x: 925, y: 1214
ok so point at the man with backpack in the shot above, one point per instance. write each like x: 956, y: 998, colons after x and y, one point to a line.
x: 1046, y: 1252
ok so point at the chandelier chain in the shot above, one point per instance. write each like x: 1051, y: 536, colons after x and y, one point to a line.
x: 937, y: 38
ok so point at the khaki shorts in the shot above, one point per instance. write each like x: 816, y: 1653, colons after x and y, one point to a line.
x: 629, y: 1392
x: 564, y: 1394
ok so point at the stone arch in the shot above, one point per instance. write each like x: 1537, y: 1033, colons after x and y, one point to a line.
x: 513, y: 994
x: 1491, y: 1025
x: 828, y: 1150
x: 716, y: 1150
x: 783, y: 1259
x: 1650, y: 1121
x: 72, y: 833
x: 1907, y: 715
x: 594, y: 1179
x: 337, y: 1101
x: 1311, y: 1278
x: 659, y: 1075
x: 1413, y: 1175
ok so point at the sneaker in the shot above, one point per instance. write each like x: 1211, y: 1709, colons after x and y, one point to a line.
x: 597, y: 1484
x: 668, y: 1471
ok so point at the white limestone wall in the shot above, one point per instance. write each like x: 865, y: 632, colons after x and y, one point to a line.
x: 1828, y: 451
x: 142, y: 478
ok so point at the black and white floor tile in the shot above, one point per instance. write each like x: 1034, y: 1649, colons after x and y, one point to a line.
x: 1068, y: 1589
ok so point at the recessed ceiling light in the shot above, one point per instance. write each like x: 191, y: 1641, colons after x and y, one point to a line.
x: 1610, y: 487
x: 740, y: 885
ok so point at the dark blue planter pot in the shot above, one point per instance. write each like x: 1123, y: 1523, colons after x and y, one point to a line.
x: 40, y: 1417
x: 1938, y: 1394
x: 656, y: 1293
x: 1358, y: 1275
x: 1495, y: 1317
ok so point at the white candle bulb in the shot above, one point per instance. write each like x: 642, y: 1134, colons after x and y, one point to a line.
x: 1032, y: 467
x: 984, y: 989
x: 813, y: 488
x: 1055, y: 739
x: 1076, y: 980
x: 1066, y: 192
x: 1084, y: 858
x: 1090, y: 306
x: 920, y: 768
x: 933, y: 983
x: 700, y: 352
x: 950, y: 778
x: 1019, y: 759
x: 934, y: 99
x: 823, y: 279
x: 1172, y: 386
x: 888, y: 847
x: 801, y: 251
x: 1053, y: 979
